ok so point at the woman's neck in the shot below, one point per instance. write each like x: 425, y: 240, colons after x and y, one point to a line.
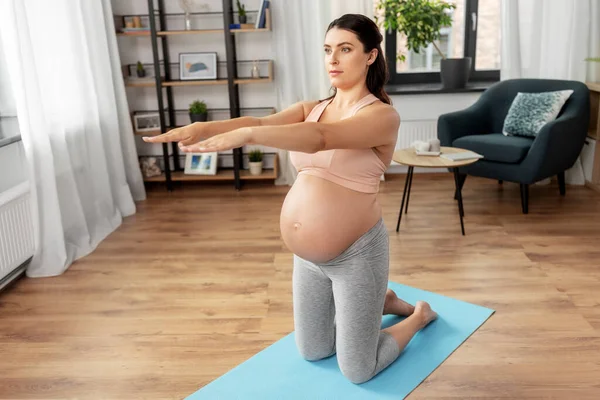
x: 345, y: 99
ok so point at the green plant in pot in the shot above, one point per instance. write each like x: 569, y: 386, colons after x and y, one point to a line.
x: 141, y: 72
x: 421, y: 22
x: 255, y: 158
x: 241, y: 12
x: 198, y: 111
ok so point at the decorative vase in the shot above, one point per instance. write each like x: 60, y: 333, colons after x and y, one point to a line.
x: 255, y: 167
x: 255, y: 71
x: 198, y: 117
x: 188, y: 22
x: 455, y: 72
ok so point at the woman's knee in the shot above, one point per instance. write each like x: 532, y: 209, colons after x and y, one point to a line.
x: 356, y: 373
x: 310, y: 352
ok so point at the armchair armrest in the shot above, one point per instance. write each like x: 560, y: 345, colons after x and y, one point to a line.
x: 473, y: 120
x: 556, y: 147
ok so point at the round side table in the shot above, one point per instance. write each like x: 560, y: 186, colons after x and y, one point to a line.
x: 410, y: 158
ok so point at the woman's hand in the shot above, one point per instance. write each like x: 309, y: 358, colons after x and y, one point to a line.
x: 186, y: 135
x: 224, y: 141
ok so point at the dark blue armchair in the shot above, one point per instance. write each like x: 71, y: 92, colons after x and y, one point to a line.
x: 519, y: 159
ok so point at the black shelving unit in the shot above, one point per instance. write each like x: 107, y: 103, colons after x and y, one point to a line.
x: 159, y: 86
x: 163, y: 81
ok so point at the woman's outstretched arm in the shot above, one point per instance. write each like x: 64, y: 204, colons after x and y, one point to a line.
x: 198, y: 131
x: 373, y: 126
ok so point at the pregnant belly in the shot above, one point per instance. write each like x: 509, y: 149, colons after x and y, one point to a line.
x: 320, y: 219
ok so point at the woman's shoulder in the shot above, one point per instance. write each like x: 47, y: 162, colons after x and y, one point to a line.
x: 309, y: 105
x: 379, y: 109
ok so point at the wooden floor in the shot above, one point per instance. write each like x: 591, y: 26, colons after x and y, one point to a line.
x: 199, y: 280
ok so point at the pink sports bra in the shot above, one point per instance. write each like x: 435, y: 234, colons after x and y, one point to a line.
x: 356, y: 169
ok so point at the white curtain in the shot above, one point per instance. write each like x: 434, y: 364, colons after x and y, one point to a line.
x: 299, y: 63
x: 551, y: 39
x: 299, y: 66
x: 64, y: 68
x: 341, y: 7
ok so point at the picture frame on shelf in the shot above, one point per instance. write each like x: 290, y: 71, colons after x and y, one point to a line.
x: 146, y: 122
x: 201, y: 163
x: 198, y: 66
x: 150, y: 166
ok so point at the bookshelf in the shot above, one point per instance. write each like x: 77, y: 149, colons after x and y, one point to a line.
x: 165, y: 84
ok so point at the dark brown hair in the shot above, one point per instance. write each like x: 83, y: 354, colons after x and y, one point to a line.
x: 368, y: 33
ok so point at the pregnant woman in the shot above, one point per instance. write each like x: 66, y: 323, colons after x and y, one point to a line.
x: 331, y: 219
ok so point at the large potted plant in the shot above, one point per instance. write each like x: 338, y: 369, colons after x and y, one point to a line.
x: 421, y: 21
x: 198, y: 111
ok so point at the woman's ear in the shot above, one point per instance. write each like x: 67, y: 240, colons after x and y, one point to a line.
x: 372, y: 57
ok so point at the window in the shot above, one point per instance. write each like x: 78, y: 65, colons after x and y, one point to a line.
x: 475, y: 33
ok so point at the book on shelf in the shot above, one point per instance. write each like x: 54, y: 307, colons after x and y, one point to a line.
x: 261, y: 18
x: 241, y: 26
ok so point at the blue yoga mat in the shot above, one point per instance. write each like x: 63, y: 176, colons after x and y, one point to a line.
x: 278, y: 372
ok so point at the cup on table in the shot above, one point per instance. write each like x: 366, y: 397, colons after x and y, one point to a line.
x: 434, y: 145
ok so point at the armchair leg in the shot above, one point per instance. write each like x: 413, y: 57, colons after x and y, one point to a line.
x: 561, y: 183
x: 524, y: 198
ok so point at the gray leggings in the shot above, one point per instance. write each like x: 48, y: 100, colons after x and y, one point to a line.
x: 339, y: 303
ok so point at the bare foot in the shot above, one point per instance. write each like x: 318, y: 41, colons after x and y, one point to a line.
x: 426, y: 314
x: 396, y: 306
x: 405, y: 330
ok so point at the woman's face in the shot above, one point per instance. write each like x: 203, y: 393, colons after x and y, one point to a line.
x: 346, y: 62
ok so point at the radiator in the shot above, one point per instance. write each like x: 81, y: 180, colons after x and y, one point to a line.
x: 416, y: 130
x: 410, y: 131
x: 16, y: 231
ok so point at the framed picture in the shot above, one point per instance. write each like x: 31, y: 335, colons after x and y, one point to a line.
x: 194, y: 66
x: 146, y: 122
x: 201, y: 163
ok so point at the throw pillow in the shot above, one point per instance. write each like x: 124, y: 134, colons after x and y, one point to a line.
x: 529, y: 112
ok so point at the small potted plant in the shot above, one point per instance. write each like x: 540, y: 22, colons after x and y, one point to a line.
x: 141, y: 72
x: 198, y: 111
x: 255, y: 158
x: 421, y: 21
x: 241, y: 12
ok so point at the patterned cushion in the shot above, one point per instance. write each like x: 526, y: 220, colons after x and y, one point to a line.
x: 529, y: 112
